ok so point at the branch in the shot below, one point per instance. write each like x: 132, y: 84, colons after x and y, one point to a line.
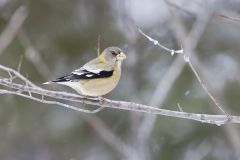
x: 188, y: 60
x: 155, y: 42
x: 226, y: 14
x: 181, y: 34
x: 98, y: 44
x: 31, y: 91
x: 231, y: 18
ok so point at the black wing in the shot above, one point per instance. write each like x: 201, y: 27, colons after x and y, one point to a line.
x: 85, y: 74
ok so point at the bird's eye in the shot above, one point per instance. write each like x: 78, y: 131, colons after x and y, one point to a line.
x: 113, y: 53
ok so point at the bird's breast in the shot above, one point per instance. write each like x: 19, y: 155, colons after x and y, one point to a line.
x: 100, y: 86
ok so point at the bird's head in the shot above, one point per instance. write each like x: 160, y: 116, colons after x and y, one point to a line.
x: 112, y: 55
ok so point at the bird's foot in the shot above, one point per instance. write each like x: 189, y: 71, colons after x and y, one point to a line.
x: 101, y: 100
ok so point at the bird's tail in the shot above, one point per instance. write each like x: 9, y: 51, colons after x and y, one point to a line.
x: 61, y: 79
x: 49, y: 82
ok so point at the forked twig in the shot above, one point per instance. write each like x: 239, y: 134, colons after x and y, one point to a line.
x: 188, y: 60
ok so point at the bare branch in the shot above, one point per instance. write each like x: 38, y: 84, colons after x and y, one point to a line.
x: 179, y: 29
x: 232, y: 18
x: 29, y: 96
x: 103, y: 102
x: 20, y: 63
x: 155, y: 42
x: 205, y: 88
x: 187, y: 59
x: 227, y: 15
x: 179, y: 107
x: 98, y: 44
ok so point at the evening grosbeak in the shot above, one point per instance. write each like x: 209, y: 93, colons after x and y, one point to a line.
x: 97, y: 77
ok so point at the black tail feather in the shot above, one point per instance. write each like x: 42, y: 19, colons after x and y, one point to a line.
x: 63, y: 79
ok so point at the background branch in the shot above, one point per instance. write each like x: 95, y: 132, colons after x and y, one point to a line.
x: 12, y: 28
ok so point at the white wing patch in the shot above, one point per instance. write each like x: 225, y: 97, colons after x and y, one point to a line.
x: 78, y: 72
x: 89, y: 75
x: 91, y: 69
x: 96, y: 71
x: 84, y: 70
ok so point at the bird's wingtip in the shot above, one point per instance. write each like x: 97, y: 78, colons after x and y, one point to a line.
x: 49, y: 82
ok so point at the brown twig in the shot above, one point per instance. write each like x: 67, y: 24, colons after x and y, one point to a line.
x: 98, y: 44
x: 237, y: 19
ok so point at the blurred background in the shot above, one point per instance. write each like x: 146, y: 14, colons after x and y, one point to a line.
x: 53, y: 37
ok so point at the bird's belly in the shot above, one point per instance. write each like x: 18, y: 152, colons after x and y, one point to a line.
x: 96, y: 87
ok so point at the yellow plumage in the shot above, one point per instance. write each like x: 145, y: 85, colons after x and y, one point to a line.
x: 97, y: 77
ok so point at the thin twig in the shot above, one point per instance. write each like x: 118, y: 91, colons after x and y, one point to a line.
x: 50, y: 102
x: 181, y: 34
x: 98, y: 44
x: 205, y: 88
x: 155, y: 42
x: 222, y: 14
x: 187, y: 59
x: 179, y: 107
x: 20, y: 64
x: 232, y: 18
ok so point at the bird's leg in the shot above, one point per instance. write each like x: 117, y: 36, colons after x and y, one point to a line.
x: 101, y: 100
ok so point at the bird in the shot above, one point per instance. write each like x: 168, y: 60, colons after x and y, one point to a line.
x: 98, y: 76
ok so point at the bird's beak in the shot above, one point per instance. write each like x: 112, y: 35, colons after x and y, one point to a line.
x: 121, y: 56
